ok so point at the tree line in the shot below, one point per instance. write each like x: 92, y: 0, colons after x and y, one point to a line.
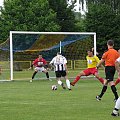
x: 103, y: 17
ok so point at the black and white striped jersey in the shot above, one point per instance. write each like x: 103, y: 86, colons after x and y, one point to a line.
x: 59, y: 62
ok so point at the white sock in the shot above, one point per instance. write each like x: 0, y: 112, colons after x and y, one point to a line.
x: 59, y: 82
x: 68, y: 83
x: 117, y: 105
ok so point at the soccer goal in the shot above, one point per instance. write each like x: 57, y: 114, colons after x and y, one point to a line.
x: 24, y: 47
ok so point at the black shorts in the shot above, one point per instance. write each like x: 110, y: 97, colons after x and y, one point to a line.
x: 110, y: 72
x: 60, y: 73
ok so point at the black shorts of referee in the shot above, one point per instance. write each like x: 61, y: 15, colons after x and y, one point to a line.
x: 60, y: 74
x: 110, y: 72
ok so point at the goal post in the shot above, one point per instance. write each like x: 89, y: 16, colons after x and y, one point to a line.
x: 11, y: 56
x: 45, y: 33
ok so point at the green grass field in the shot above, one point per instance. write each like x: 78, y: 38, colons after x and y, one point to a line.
x: 21, y: 100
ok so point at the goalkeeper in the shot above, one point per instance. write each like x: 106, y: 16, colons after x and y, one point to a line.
x: 92, y: 62
x: 40, y: 65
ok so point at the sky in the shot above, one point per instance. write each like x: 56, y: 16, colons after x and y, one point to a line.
x: 1, y: 2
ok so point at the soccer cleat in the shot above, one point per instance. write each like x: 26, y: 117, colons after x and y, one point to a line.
x: 72, y: 84
x: 63, y: 86
x: 98, y: 98
x: 113, y: 114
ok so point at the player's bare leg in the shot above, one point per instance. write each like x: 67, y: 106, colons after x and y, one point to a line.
x: 99, y: 78
x: 77, y: 78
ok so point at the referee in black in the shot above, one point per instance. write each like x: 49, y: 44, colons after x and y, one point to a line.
x: 109, y: 57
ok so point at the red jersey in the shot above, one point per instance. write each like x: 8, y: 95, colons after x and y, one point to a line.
x: 39, y: 63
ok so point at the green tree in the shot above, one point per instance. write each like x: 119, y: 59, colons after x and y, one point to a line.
x: 27, y: 15
x: 105, y: 22
x: 114, y: 4
x: 65, y: 15
x: 79, y: 22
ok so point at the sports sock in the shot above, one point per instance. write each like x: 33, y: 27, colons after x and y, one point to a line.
x: 68, y: 83
x: 117, y: 105
x: 101, y: 80
x: 117, y: 81
x: 114, y: 90
x: 76, y: 79
x: 47, y: 75
x: 59, y: 82
x: 103, y: 91
x: 34, y: 75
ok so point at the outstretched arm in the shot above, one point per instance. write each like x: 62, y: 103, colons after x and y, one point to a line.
x: 30, y: 67
x: 100, y: 63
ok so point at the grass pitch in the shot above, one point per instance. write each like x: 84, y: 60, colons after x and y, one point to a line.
x: 21, y: 100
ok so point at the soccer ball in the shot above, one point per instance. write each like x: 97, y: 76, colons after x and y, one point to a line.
x: 54, y: 87
x: 30, y: 81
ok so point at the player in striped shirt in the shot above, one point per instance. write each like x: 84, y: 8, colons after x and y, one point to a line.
x: 92, y: 62
x: 59, y: 62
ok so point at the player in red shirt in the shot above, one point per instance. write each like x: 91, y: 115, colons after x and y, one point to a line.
x: 39, y: 64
